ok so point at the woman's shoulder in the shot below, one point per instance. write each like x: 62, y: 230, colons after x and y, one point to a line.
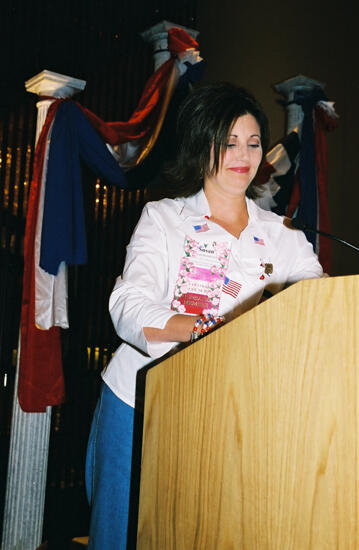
x: 163, y: 213
x: 164, y: 204
x: 179, y: 206
x: 277, y: 226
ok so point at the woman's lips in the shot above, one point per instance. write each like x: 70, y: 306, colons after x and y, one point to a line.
x: 240, y: 169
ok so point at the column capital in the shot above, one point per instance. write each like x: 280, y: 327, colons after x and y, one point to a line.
x: 54, y: 84
x: 288, y: 87
x: 157, y: 35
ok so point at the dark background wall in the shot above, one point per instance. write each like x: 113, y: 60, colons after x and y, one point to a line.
x: 258, y: 44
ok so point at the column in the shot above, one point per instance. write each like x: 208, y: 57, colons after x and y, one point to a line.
x: 157, y: 36
x: 29, y: 439
x: 288, y: 88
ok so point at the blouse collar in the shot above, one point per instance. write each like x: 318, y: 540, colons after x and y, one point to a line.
x: 197, y: 205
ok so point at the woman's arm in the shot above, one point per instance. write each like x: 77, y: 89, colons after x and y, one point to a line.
x: 141, y: 316
x: 178, y: 329
x: 300, y: 255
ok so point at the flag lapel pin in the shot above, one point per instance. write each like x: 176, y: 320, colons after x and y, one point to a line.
x: 258, y: 240
x: 201, y: 228
x: 231, y: 287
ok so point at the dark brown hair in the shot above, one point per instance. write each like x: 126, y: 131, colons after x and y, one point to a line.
x: 205, y: 118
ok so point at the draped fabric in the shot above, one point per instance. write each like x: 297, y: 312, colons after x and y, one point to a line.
x: 63, y: 228
x: 142, y: 120
x: 40, y: 374
x: 323, y: 123
x: 294, y: 174
x: 276, y: 174
x: 55, y: 228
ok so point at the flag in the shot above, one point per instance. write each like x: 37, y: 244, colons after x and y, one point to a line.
x: 257, y: 240
x: 231, y: 287
x: 201, y: 228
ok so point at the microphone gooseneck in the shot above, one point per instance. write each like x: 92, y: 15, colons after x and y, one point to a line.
x: 298, y: 223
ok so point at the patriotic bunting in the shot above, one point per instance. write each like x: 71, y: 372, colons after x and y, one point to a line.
x: 293, y: 177
x: 55, y: 229
x: 277, y: 172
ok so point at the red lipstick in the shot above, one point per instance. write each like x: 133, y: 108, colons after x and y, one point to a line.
x: 240, y: 169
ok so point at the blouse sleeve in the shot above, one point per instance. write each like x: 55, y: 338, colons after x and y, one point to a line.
x: 138, y: 298
x: 304, y: 262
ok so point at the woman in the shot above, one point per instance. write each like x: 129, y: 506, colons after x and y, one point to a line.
x: 192, y: 259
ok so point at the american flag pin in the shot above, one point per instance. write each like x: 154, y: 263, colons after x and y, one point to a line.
x: 257, y: 240
x: 231, y: 287
x: 201, y: 228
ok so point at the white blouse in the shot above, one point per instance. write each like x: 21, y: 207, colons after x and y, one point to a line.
x: 267, y: 255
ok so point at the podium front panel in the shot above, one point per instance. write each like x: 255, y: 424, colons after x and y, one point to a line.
x: 251, y: 434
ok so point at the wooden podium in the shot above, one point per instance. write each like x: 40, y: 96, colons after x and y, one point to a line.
x: 251, y: 435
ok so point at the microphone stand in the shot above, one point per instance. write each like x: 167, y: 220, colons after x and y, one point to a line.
x: 299, y: 224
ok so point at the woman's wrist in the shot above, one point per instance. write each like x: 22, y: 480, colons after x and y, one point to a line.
x: 182, y: 328
x: 204, y: 324
x: 178, y: 329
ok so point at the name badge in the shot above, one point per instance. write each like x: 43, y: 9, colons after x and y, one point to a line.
x: 201, y: 276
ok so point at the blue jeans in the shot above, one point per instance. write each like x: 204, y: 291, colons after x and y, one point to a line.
x: 113, y: 473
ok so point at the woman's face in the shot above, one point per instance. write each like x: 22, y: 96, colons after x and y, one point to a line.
x: 240, y: 161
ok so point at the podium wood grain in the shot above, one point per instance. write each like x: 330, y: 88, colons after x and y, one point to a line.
x: 251, y: 434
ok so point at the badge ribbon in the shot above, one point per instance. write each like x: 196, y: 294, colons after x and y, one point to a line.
x: 201, y: 276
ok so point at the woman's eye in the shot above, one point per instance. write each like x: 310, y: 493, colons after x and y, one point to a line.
x: 230, y: 145
x: 255, y: 145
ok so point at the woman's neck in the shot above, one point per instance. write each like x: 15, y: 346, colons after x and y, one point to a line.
x: 227, y: 211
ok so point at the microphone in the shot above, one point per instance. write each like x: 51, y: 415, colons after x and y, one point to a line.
x: 298, y: 223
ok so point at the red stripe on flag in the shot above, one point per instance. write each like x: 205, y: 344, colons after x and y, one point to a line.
x: 232, y: 288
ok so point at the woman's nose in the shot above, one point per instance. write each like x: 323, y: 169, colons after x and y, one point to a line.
x: 241, y: 152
